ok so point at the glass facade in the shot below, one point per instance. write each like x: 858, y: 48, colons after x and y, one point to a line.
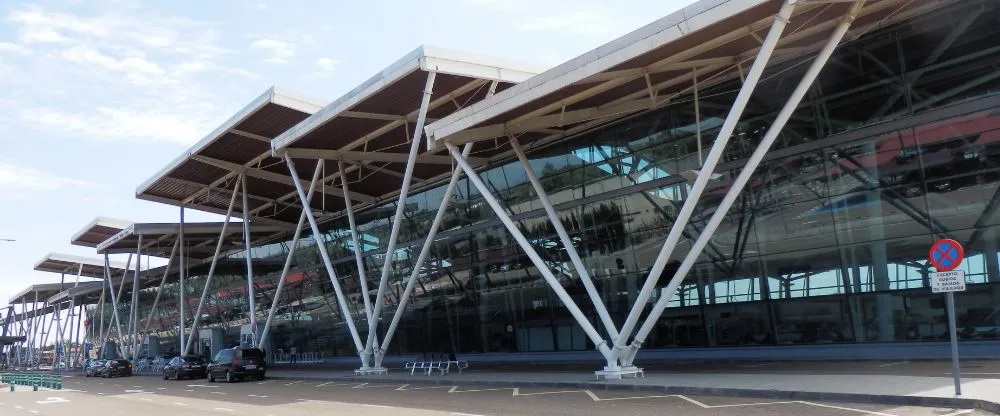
x: 896, y: 145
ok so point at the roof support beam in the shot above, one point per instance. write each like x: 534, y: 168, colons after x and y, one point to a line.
x: 444, y: 99
x: 356, y: 156
x: 250, y: 135
x: 276, y: 177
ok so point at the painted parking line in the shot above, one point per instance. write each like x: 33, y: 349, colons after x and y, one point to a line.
x: 294, y: 382
x: 377, y: 406
x: 223, y: 409
x: 332, y: 384
x: 464, y: 414
x: 254, y: 395
x: 893, y: 364
x: 218, y: 392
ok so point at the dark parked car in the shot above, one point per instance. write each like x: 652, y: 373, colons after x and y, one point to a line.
x: 112, y: 368
x: 237, y: 363
x: 191, y: 366
x: 94, y: 368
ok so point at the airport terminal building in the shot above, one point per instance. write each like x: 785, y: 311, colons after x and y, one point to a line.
x: 692, y: 168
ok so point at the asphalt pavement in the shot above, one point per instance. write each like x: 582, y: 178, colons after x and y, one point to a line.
x: 152, y: 396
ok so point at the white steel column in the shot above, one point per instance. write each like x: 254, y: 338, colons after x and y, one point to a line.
x: 34, y: 310
x: 357, y: 244
x: 71, y: 312
x: 159, y: 290
x: 553, y: 282
x: 211, y: 268
x: 421, y: 258
x: 734, y: 191
x: 345, y: 311
x: 246, y: 244
x: 288, y: 260
x: 79, y: 323
x: 134, y: 316
x: 114, y: 299
x: 181, y: 295
x: 581, y: 269
x: 718, y: 147
x: 397, y: 220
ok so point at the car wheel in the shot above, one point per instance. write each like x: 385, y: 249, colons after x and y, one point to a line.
x: 261, y: 377
x: 229, y: 377
x: 211, y: 378
x: 165, y: 376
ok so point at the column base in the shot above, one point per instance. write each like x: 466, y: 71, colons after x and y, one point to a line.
x: 371, y: 371
x: 610, y: 373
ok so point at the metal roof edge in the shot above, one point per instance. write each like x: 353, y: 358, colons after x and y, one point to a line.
x: 102, y: 221
x: 666, y: 29
x: 398, y: 69
x: 273, y: 94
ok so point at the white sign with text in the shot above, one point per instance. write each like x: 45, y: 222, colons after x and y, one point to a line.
x: 943, y: 282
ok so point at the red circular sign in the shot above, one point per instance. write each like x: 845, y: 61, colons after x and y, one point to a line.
x: 946, y: 255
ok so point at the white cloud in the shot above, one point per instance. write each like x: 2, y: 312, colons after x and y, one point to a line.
x: 13, y: 49
x: 17, y: 181
x: 325, y: 67
x: 106, y: 123
x: 580, y: 22
x: 280, y: 51
x: 84, y: 71
x: 260, y: 6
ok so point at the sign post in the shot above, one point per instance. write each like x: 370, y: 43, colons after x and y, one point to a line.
x: 946, y: 255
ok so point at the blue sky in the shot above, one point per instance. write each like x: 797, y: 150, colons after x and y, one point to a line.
x: 98, y: 95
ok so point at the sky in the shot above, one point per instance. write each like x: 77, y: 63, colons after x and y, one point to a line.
x: 96, y: 96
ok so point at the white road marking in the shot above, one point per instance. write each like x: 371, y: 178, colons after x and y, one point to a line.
x: 254, y: 395
x: 52, y: 400
x: 218, y: 392
x: 964, y: 373
x: 33, y: 411
x: 138, y: 387
x: 377, y: 405
x: 18, y: 407
x: 847, y: 409
x: 464, y: 414
x: 180, y: 404
x: 161, y: 388
x: 134, y: 391
x: 294, y: 382
x: 758, y: 365
x: 960, y: 412
x: 264, y: 382
x: 331, y: 384
x: 100, y: 394
x: 145, y: 399
x: 188, y: 390
x: 203, y: 385
x: 892, y: 364
x: 223, y: 409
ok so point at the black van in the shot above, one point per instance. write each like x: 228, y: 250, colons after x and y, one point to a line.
x: 237, y: 363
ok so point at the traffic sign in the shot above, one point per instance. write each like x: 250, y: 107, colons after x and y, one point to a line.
x: 946, y: 255
x: 944, y: 282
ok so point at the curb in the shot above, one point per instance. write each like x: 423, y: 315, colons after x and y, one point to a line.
x: 923, y: 401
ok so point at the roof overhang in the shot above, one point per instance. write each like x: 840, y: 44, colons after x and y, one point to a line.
x: 713, y: 40
x: 43, y: 290
x: 201, y: 238
x: 71, y: 265
x: 204, y: 176
x: 97, y: 231
x: 371, y: 127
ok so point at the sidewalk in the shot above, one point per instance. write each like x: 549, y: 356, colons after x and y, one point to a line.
x: 983, y: 393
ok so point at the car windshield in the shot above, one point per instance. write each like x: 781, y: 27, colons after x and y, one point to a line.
x: 252, y: 353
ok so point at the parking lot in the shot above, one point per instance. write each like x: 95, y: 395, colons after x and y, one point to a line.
x: 151, y: 395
